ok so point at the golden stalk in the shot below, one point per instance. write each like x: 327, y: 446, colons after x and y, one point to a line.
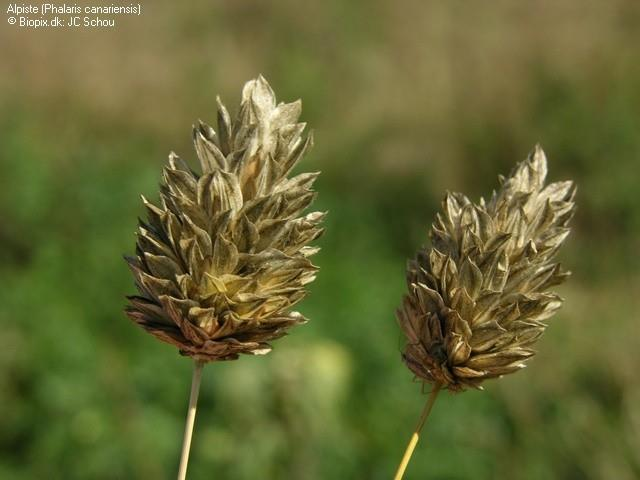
x: 416, y: 434
x: 191, y: 417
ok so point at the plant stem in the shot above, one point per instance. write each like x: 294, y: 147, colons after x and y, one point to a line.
x: 416, y: 434
x: 191, y: 417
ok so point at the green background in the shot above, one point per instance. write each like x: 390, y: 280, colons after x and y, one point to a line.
x: 407, y: 99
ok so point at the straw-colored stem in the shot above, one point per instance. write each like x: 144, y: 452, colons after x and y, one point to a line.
x: 416, y: 434
x: 191, y: 417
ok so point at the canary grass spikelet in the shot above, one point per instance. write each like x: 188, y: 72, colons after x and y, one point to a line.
x: 222, y: 259
x: 479, y: 296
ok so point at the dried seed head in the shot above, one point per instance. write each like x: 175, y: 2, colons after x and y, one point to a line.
x: 478, y: 298
x: 224, y: 256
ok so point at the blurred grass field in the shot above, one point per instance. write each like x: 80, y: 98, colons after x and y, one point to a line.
x: 407, y: 100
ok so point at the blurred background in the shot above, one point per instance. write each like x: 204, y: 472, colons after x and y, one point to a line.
x: 407, y: 99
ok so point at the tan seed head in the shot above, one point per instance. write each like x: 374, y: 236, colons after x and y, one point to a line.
x: 478, y: 297
x: 223, y: 258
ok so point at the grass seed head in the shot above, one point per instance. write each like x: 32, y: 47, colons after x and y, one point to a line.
x: 479, y: 296
x: 224, y: 256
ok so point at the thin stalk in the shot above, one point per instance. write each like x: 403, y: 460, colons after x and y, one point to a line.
x: 416, y: 434
x: 191, y: 417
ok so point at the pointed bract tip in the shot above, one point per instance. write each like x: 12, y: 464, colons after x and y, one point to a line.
x: 538, y: 155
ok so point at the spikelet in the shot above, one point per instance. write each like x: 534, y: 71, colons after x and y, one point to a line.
x: 478, y: 298
x: 223, y: 258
